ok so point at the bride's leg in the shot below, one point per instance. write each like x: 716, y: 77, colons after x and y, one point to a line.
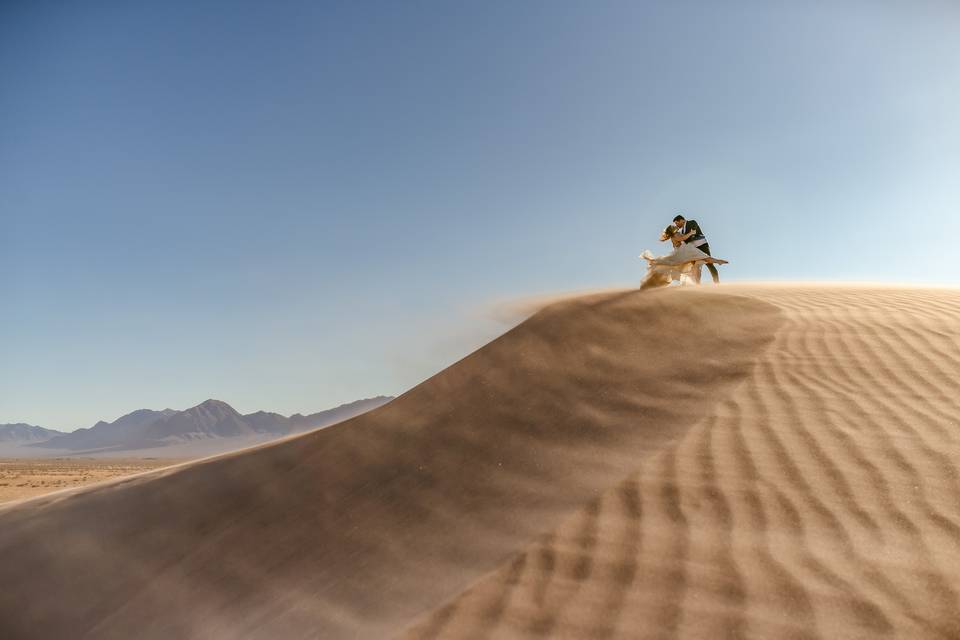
x: 695, y: 272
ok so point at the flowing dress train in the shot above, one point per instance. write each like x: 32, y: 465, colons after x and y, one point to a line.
x: 676, y: 266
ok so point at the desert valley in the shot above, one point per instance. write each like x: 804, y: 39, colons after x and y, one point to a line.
x: 35, y: 460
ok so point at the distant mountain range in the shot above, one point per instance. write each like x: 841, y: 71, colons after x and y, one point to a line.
x: 21, y: 433
x: 211, y: 419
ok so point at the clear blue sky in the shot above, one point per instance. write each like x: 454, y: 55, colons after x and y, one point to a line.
x: 291, y: 205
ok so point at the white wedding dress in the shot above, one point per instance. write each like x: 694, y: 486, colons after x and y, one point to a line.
x: 676, y: 266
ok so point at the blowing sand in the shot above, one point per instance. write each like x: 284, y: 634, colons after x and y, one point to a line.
x: 767, y: 462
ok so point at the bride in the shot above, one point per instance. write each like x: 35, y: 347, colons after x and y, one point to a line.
x: 681, y: 265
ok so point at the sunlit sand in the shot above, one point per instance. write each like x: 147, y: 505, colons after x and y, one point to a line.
x: 767, y: 461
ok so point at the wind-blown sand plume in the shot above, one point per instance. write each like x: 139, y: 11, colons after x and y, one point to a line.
x: 356, y: 530
x: 821, y: 499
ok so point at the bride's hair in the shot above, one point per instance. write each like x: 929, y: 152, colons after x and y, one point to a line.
x: 668, y: 233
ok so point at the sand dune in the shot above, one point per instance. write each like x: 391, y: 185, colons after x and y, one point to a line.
x: 769, y: 462
x: 821, y: 499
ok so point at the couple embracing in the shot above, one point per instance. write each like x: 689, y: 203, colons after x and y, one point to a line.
x: 690, y: 252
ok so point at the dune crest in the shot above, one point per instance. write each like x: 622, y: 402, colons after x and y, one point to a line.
x: 820, y: 499
x: 355, y: 530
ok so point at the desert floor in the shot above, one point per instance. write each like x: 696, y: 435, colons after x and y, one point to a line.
x: 26, y: 477
x: 736, y: 462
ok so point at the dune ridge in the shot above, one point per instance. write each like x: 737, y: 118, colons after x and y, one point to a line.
x: 355, y: 530
x: 820, y: 499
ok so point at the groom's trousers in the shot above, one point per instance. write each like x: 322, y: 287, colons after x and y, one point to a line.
x: 712, y: 267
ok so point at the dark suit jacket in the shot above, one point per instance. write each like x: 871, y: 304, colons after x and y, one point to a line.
x: 691, y: 225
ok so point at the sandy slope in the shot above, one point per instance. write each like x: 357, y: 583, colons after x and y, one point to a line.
x: 354, y: 530
x: 821, y: 499
x: 769, y: 462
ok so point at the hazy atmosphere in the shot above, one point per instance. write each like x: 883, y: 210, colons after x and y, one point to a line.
x: 290, y: 206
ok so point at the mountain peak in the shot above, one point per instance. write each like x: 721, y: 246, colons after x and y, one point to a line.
x: 213, y: 407
x: 212, y: 403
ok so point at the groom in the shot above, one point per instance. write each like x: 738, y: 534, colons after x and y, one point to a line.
x: 692, y: 234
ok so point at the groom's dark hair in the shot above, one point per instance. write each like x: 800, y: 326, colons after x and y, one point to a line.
x: 678, y: 218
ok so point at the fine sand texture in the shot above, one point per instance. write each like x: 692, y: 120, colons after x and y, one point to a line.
x: 746, y: 461
x: 820, y: 499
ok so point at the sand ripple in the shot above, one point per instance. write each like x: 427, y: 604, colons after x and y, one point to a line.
x: 821, y: 499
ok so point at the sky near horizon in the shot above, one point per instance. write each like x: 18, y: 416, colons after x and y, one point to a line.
x: 288, y: 206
